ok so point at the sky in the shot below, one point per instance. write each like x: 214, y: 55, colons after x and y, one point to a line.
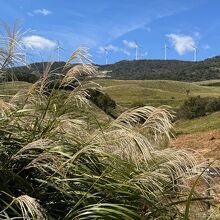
x: 116, y: 28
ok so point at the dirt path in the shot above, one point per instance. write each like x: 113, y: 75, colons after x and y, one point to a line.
x: 205, y: 144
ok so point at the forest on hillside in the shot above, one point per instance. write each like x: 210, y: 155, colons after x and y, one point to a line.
x: 136, y: 70
x: 165, y: 70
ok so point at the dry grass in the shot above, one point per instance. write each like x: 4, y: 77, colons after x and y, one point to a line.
x: 54, y: 165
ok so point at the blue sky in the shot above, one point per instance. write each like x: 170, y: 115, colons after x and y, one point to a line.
x: 118, y: 26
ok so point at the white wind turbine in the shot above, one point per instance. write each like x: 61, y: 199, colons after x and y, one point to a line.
x: 58, y: 49
x: 106, y: 55
x: 137, y: 46
x: 165, y: 51
x: 195, y: 53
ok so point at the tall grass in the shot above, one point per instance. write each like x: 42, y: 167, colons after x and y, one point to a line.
x: 55, y: 165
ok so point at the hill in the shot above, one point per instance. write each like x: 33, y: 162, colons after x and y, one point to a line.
x: 32, y: 72
x: 165, y: 70
x: 129, y: 93
x: 137, y: 70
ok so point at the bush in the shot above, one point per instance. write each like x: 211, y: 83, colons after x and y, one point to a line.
x: 195, y: 107
x: 213, y: 105
x: 103, y: 101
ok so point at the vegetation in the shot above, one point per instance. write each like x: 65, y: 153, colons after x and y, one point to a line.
x: 208, y: 69
x: 103, y: 101
x: 32, y: 72
x: 197, y: 106
x: 131, y: 93
x: 54, y: 164
x: 206, y: 123
x: 165, y: 70
x: 215, y: 83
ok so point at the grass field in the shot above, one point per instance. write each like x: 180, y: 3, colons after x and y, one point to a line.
x: 215, y: 82
x: 10, y: 88
x: 129, y: 93
x: 202, y: 124
x: 92, y: 113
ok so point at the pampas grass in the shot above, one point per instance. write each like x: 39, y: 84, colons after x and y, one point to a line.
x: 55, y: 165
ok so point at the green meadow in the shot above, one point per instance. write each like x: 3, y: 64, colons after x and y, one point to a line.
x: 129, y: 93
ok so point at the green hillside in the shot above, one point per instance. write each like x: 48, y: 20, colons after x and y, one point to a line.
x: 129, y: 93
x: 208, y: 69
x: 165, y: 70
x: 202, y: 124
x: 154, y: 92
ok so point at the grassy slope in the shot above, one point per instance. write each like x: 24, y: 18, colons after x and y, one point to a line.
x: 207, y: 82
x: 206, y: 123
x: 160, y: 93
x: 153, y: 92
x: 11, y: 88
x: 127, y: 92
x: 92, y: 113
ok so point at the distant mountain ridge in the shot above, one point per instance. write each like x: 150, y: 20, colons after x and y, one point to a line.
x: 138, y: 70
x: 165, y: 70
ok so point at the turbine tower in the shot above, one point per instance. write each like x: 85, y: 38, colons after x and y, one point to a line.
x: 165, y: 51
x: 137, y: 46
x: 106, y: 55
x: 58, y: 49
x: 195, y: 53
x: 136, y: 51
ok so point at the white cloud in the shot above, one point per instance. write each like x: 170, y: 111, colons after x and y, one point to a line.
x: 113, y: 48
x: 109, y: 47
x: 182, y: 43
x: 38, y: 42
x: 42, y: 11
x: 129, y: 44
x: 126, y: 52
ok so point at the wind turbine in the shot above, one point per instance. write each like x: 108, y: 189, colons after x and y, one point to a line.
x: 195, y: 53
x: 165, y: 51
x: 58, y: 49
x: 137, y: 46
x: 106, y: 55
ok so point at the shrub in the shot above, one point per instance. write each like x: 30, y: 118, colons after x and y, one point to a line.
x: 197, y: 106
x: 213, y: 105
x: 103, y: 101
x: 193, y: 107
